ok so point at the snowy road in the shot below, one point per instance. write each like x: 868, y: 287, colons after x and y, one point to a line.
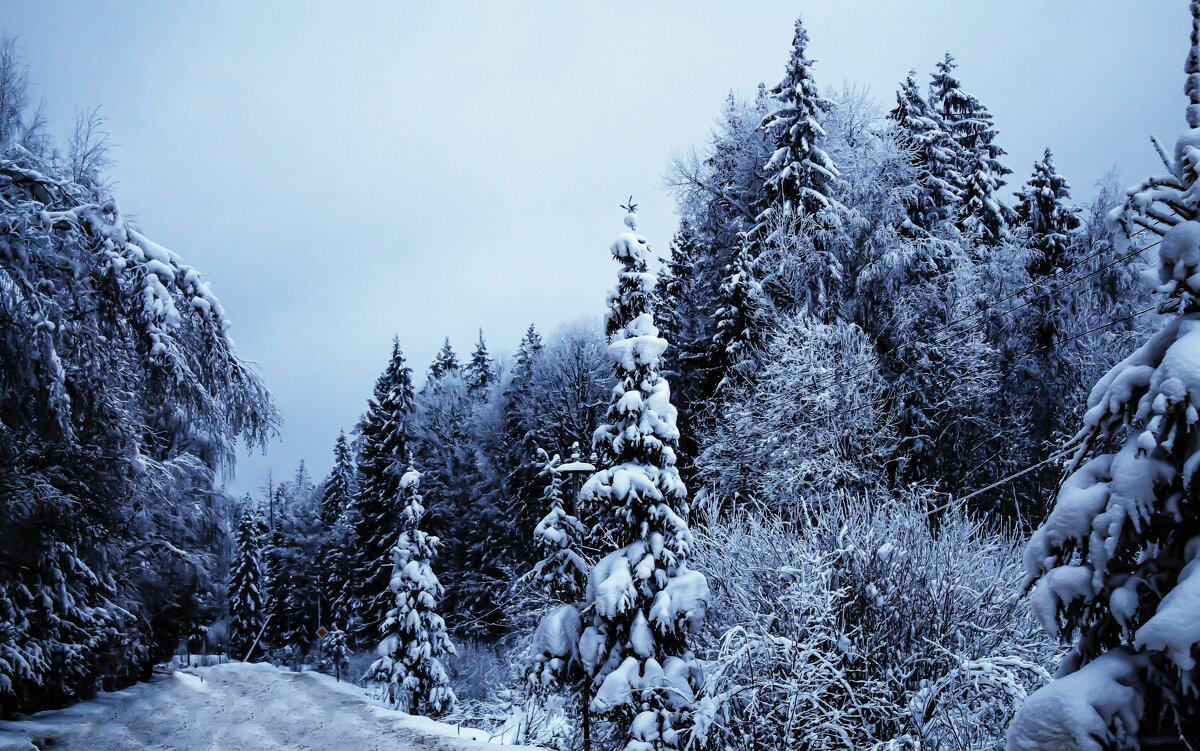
x: 234, y: 707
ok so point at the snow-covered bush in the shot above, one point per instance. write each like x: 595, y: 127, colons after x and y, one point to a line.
x: 867, y: 626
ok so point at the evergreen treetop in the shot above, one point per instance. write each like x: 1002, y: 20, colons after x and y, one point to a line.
x: 1046, y: 221
x: 481, y: 370
x: 444, y: 362
x: 800, y: 172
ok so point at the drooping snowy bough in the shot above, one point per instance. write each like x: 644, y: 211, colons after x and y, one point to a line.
x: 1118, y: 560
x: 121, y: 396
x: 414, y: 634
x: 642, y: 600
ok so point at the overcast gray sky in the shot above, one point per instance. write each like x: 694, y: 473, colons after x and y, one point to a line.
x: 346, y: 171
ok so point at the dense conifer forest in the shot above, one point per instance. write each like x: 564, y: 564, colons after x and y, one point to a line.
x: 890, y: 446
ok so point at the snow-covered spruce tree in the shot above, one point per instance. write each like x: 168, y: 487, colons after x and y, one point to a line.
x: 642, y: 599
x: 338, y: 584
x: 562, y: 571
x: 520, y: 442
x: 1047, y: 228
x: 303, y: 540
x: 246, y: 584
x: 800, y: 179
x: 480, y: 372
x: 340, y: 485
x: 799, y: 173
x: 383, y: 447
x: 1046, y: 222
x: 337, y: 532
x: 677, y: 277
x: 743, y: 321
x: 414, y: 634
x: 978, y: 157
x: 276, y: 574
x: 935, y: 197
x: 334, y: 652
x: 1117, y: 563
x: 445, y: 361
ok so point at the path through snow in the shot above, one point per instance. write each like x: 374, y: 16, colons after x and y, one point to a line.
x: 232, y: 707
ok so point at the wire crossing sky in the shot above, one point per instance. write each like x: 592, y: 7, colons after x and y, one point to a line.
x: 348, y: 171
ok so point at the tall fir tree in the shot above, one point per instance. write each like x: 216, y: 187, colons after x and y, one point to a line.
x: 339, y: 486
x: 800, y: 172
x: 935, y: 198
x: 520, y: 491
x: 642, y: 598
x: 383, y: 447
x: 480, y: 372
x: 1047, y: 227
x: 799, y: 187
x: 978, y: 156
x: 414, y: 634
x: 1117, y: 562
x: 337, y: 574
x: 303, y: 539
x: 743, y: 321
x: 246, y: 584
x: 278, y: 577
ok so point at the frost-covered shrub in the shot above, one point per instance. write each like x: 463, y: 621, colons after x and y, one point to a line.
x: 870, y: 627
x: 773, y: 438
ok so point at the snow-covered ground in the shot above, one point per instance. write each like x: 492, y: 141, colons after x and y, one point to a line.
x: 231, y: 707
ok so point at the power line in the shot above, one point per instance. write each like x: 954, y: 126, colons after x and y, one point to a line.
x: 1030, y: 286
x: 1057, y: 455
x: 1071, y: 283
x: 858, y: 371
x: 984, y: 309
x: 1006, y: 360
x: 998, y: 483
